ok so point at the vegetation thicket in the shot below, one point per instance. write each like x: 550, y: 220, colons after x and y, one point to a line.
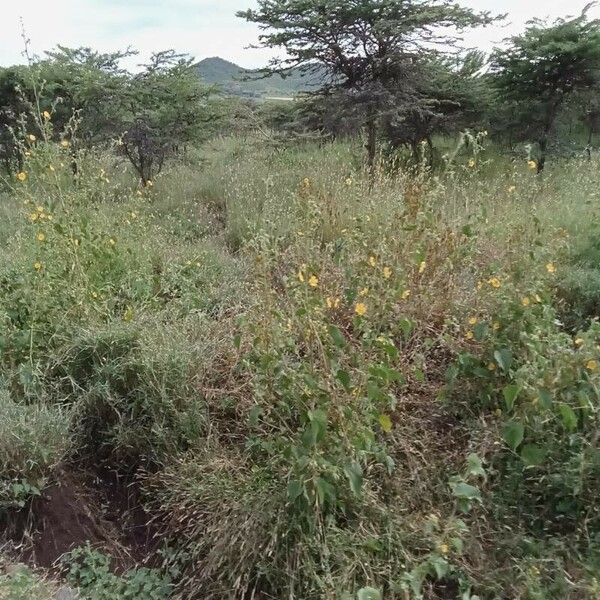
x: 240, y: 360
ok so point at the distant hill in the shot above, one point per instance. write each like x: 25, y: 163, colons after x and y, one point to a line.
x: 237, y: 81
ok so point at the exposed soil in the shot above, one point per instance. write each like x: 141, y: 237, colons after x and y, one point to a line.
x: 71, y: 513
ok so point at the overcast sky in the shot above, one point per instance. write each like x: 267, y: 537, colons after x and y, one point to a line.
x: 201, y: 28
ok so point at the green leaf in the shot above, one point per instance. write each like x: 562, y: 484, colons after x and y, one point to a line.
x: 344, y: 378
x: 545, y: 398
x: 368, y: 593
x: 513, y: 434
x: 533, y: 455
x: 386, y: 423
x: 474, y: 466
x: 355, y: 476
x: 337, y: 336
x: 294, y: 489
x: 504, y: 358
x: 510, y: 393
x: 569, y: 418
x: 465, y: 491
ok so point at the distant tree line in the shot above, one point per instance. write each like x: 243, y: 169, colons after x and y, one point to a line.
x: 392, y: 71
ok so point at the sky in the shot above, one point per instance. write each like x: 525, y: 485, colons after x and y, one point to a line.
x: 200, y: 28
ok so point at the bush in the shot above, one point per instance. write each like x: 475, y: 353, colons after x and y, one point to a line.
x: 34, y: 439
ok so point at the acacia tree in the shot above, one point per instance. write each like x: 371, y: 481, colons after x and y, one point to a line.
x: 542, y: 68
x: 371, y: 49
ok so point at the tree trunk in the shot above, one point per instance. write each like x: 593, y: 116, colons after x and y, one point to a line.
x: 371, y: 146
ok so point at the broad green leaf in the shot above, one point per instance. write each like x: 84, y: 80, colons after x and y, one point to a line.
x: 513, y: 434
x: 386, y: 423
x: 545, y: 398
x: 474, y: 466
x: 510, y: 393
x: 344, y: 378
x: 533, y: 455
x: 504, y: 358
x: 465, y: 491
x: 369, y: 593
x: 337, y: 336
x: 355, y: 476
x: 569, y: 418
x: 294, y: 489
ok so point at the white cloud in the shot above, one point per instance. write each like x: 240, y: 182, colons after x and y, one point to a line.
x: 201, y: 28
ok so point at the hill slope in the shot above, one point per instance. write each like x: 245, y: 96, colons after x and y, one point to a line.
x: 238, y: 81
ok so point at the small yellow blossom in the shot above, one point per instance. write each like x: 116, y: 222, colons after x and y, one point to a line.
x: 94, y: 294
x: 46, y: 115
x: 525, y: 301
x: 65, y: 143
x: 27, y: 153
x: 49, y: 217
x: 333, y: 303
x: 364, y: 292
x: 443, y: 548
x: 149, y: 183
x: 472, y: 163
x: 313, y: 281
x: 479, y: 285
x: 495, y: 282
x: 512, y: 189
x: 360, y: 309
x: 387, y: 272
x: 22, y: 176
x: 372, y: 261
x: 469, y: 335
x: 551, y: 268
x: 33, y: 217
x: 349, y: 181
x: 40, y: 208
x: 579, y: 342
x: 496, y: 326
x: 405, y: 294
x: 37, y: 266
x: 52, y: 168
x: 112, y: 241
x: 422, y: 267
x: 473, y: 321
x: 592, y: 365
x: 31, y: 137
x: 41, y: 236
x: 491, y: 366
x: 532, y: 165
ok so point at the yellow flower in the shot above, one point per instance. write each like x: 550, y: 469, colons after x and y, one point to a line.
x: 149, y: 183
x: 41, y: 236
x: 551, y: 268
x: 592, y: 365
x: 94, y: 294
x: 364, y: 292
x: 306, y: 182
x: 443, y: 548
x: 333, y: 302
x: 313, y: 281
x: 469, y: 335
x: 422, y: 267
x: 532, y: 165
x: 46, y: 115
x: 491, y: 366
x: 579, y: 342
x: 360, y: 309
x: 33, y: 217
x: 65, y: 143
x: 525, y: 301
x: 495, y: 282
x: 405, y: 294
x: 473, y: 321
x: 31, y: 137
x: 498, y: 412
x: 479, y: 285
x: 387, y: 272
x: 38, y: 266
x: 22, y: 176
x: 349, y: 181
x: 52, y: 168
x: 372, y: 261
x: 112, y: 241
x: 472, y: 163
x: 496, y: 326
x: 49, y: 217
x: 512, y: 189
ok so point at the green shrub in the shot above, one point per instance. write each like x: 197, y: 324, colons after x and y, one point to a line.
x: 34, y: 439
